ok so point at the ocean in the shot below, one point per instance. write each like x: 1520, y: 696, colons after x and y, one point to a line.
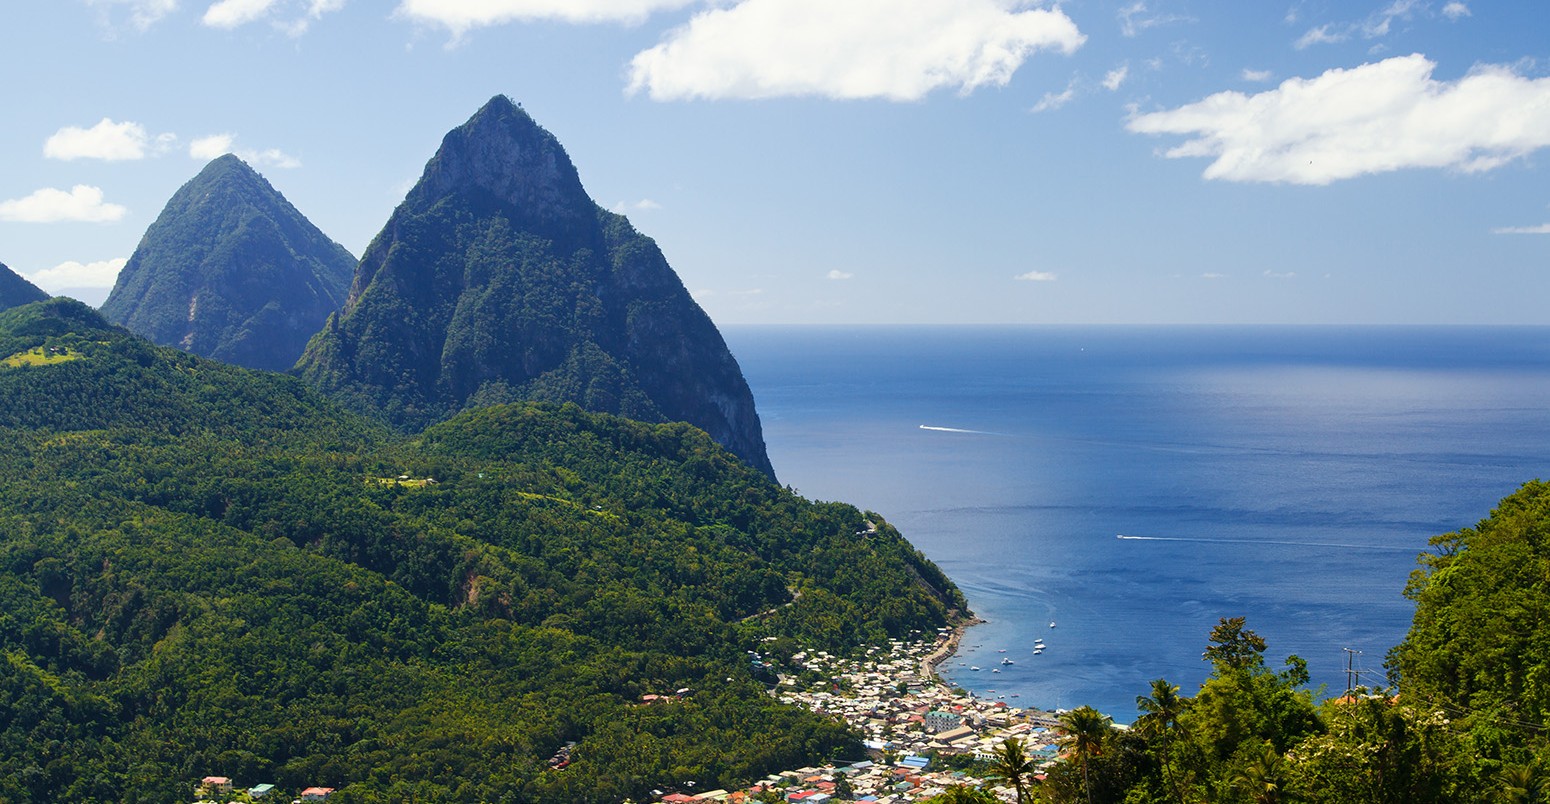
x: 1132, y: 485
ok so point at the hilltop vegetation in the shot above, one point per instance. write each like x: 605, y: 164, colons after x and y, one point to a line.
x: 206, y: 570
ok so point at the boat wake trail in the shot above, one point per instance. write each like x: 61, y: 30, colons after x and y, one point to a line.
x: 953, y: 430
x: 1336, y: 545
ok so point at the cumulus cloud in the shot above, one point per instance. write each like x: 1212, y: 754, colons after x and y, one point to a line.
x: 1213, y: 275
x: 107, y: 140
x: 1257, y: 76
x: 461, y: 16
x: 1036, y: 276
x: 1455, y: 10
x: 838, y: 274
x: 66, y: 275
x: 232, y: 13
x: 1115, y: 77
x: 218, y: 145
x: 48, y: 205
x: 895, y: 49
x: 207, y: 148
x: 293, y: 17
x: 1269, y: 274
x: 1375, y: 118
x: 142, y: 13
x: 1543, y: 228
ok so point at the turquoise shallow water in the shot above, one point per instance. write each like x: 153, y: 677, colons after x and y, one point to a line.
x: 1289, y: 475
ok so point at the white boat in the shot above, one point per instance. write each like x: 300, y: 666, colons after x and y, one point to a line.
x: 1008, y: 661
x: 1052, y: 623
x: 995, y: 669
x: 975, y: 669
x: 1037, y: 651
x: 1002, y: 650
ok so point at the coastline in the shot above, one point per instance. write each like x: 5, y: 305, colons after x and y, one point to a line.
x: 947, y: 649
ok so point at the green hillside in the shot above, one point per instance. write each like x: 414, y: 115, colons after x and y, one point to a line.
x: 211, y: 571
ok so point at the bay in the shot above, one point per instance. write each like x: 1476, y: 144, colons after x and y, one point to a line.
x: 1290, y: 475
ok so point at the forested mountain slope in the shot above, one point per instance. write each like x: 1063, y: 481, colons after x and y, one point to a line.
x: 230, y: 270
x: 210, y: 571
x: 498, y: 279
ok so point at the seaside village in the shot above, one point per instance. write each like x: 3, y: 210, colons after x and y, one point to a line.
x: 920, y: 734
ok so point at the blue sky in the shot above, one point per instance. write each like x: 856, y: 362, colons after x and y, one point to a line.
x: 851, y: 161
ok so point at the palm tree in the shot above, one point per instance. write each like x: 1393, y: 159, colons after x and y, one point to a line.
x: 1521, y: 784
x: 1012, y: 764
x: 1265, y: 779
x: 1085, y: 729
x: 1160, y: 721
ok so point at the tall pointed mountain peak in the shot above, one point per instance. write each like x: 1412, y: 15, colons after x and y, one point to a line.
x: 498, y: 279
x: 230, y: 270
x: 16, y: 291
x: 503, y: 153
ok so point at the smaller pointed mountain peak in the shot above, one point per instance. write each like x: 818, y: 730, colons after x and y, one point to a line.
x: 15, y: 290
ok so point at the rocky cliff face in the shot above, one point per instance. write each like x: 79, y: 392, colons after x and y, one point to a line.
x: 499, y: 279
x: 231, y: 271
x: 16, y: 291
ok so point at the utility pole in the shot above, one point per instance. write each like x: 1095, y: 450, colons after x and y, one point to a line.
x: 1351, y: 673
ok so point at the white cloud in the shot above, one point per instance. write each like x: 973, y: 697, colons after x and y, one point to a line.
x: 1211, y: 275
x: 838, y: 274
x: 207, y: 148
x: 142, y: 13
x: 1257, y: 76
x: 460, y: 16
x: 232, y: 13
x: 1376, y: 26
x: 48, y: 205
x: 1115, y: 77
x: 1322, y: 35
x: 1053, y: 100
x: 272, y: 157
x: 643, y: 205
x: 66, y: 275
x: 293, y: 17
x: 1455, y: 10
x: 1273, y: 275
x: 1543, y: 228
x: 107, y: 140
x: 1134, y: 18
x: 1374, y: 118
x: 218, y: 145
x: 895, y: 49
x: 1036, y: 276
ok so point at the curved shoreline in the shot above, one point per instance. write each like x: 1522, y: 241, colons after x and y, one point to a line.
x: 944, y: 651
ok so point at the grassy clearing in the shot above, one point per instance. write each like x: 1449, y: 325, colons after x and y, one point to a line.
x: 41, y: 356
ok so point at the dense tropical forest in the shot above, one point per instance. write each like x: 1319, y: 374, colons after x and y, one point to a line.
x: 206, y: 570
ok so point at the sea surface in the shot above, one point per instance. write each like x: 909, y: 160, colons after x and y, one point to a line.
x: 1289, y: 475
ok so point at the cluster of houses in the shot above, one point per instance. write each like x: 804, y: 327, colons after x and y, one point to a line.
x: 214, y: 789
x: 913, y: 724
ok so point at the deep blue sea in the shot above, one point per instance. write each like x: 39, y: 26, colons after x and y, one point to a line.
x: 1289, y: 475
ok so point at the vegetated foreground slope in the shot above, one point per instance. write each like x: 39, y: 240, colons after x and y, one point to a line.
x: 498, y: 279
x: 206, y: 570
x: 230, y: 270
